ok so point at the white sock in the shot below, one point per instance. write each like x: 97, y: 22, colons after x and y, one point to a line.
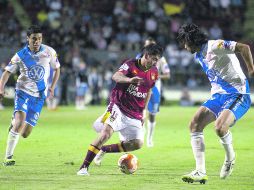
x: 12, y: 141
x: 226, y: 142
x: 198, y: 148
x: 150, y: 130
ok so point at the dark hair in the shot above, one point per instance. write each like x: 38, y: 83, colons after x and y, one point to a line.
x: 150, y: 39
x: 33, y: 29
x: 152, y: 49
x: 192, y: 35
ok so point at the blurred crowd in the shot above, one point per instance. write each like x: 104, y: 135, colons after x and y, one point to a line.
x: 90, y: 36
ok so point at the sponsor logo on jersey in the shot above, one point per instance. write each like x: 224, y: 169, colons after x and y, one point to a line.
x: 36, y: 73
x: 134, y: 90
x: 135, y: 72
x: 153, y: 76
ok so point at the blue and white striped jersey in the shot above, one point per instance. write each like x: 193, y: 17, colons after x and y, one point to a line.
x: 222, y: 67
x: 34, y: 69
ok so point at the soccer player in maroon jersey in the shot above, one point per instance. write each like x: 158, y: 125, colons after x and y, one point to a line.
x: 134, y: 81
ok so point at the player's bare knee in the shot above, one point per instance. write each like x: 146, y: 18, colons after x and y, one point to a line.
x: 137, y: 144
x: 193, y: 126
x: 25, y: 135
x: 17, y: 126
x: 221, y: 128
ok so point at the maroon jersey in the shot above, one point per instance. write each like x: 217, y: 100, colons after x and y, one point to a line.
x: 130, y: 97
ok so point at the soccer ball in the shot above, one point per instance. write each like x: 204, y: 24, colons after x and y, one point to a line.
x: 128, y: 163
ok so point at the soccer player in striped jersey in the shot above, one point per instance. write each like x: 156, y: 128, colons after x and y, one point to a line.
x: 230, y: 95
x: 134, y: 81
x: 33, y: 62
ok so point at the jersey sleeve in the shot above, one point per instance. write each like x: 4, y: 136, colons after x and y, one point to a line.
x: 223, y: 46
x: 164, y: 65
x: 12, y: 67
x: 54, y: 63
x: 124, y: 68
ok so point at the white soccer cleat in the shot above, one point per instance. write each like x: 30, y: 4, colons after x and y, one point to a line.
x: 227, y: 168
x: 98, y: 158
x: 195, y: 176
x: 83, y: 171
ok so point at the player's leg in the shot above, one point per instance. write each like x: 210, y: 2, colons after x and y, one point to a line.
x: 222, y: 124
x: 23, y: 121
x: 153, y: 109
x: 99, y: 122
x: 18, y: 124
x: 26, y: 131
x: 202, y: 118
x: 98, y: 125
x: 94, y: 148
x: 131, y: 135
x: 235, y: 107
x: 151, y: 123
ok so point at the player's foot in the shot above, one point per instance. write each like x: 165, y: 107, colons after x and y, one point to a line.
x: 83, y: 171
x: 195, y: 176
x: 9, y: 162
x: 149, y: 143
x: 98, y: 158
x: 227, y: 168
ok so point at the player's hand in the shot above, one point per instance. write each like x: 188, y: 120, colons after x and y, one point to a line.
x: 137, y: 80
x: 51, y: 93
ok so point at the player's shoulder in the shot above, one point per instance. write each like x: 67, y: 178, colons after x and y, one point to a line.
x: 22, y: 50
x: 47, y: 48
x: 129, y: 61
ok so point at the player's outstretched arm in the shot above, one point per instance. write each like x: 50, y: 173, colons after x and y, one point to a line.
x: 119, y: 77
x: 4, y: 78
x: 245, y: 52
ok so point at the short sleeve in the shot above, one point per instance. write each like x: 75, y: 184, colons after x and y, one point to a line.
x: 124, y: 68
x: 12, y: 67
x: 223, y: 46
x: 54, y: 62
x: 164, y: 65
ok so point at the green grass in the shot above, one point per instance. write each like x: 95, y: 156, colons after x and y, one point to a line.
x: 51, y: 156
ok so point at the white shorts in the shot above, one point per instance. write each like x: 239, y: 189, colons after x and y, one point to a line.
x: 127, y: 127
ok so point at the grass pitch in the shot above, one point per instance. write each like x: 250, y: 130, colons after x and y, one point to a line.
x: 51, y: 156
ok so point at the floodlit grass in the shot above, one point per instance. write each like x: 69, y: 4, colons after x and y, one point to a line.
x: 51, y: 156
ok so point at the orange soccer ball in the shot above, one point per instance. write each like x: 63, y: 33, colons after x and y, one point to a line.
x: 128, y: 163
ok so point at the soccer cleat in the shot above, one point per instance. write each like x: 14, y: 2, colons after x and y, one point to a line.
x: 9, y: 162
x: 195, y: 176
x: 83, y: 171
x: 227, y: 168
x: 98, y: 158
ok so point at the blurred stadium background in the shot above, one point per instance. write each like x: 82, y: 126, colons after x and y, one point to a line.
x: 99, y: 34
